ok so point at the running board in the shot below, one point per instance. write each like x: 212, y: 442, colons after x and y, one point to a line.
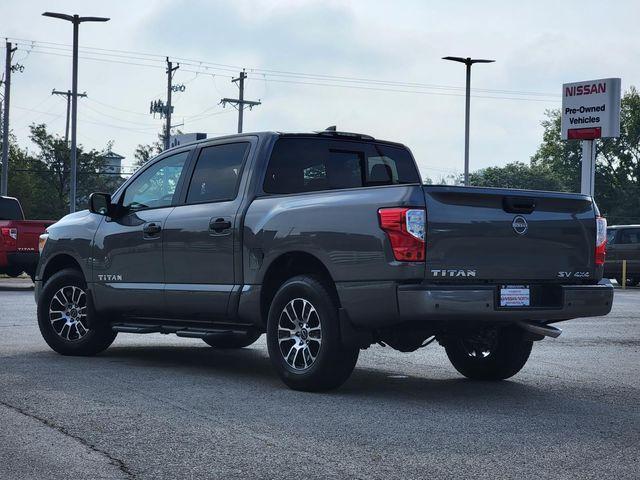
x: 539, y: 329
x: 180, y: 331
x: 136, y: 328
x: 206, y: 333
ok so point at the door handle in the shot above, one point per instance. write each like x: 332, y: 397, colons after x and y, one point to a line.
x: 219, y: 225
x: 151, y: 229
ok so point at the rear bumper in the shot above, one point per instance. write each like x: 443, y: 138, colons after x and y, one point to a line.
x: 25, y: 261
x: 369, y: 307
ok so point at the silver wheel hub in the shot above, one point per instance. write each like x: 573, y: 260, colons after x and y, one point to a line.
x: 68, y: 313
x: 299, y: 333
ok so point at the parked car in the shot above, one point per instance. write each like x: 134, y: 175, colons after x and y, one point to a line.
x: 18, y: 239
x: 329, y: 243
x: 623, y: 243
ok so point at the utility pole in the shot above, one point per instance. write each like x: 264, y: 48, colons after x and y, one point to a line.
x: 68, y: 95
x: 76, y: 20
x: 240, y: 102
x: 468, y: 62
x: 170, y: 70
x: 4, y: 182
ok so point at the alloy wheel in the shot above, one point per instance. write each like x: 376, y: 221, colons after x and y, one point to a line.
x: 299, y: 334
x: 68, y: 313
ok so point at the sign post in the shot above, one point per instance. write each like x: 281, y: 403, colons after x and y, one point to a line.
x: 590, y: 110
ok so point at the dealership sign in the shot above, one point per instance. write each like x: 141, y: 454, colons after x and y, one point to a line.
x: 591, y: 109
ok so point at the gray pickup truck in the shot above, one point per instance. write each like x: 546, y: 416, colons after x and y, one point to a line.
x: 328, y: 243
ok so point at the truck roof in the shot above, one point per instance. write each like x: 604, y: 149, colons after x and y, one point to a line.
x: 324, y: 133
x: 616, y: 227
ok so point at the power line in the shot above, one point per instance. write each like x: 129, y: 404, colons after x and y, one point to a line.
x: 397, y: 90
x: 240, y: 103
x: 342, y: 81
x: 4, y: 179
x: 68, y: 94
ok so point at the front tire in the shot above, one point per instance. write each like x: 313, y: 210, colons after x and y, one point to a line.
x: 303, y: 337
x: 64, y: 316
x: 494, y: 354
x: 232, y: 340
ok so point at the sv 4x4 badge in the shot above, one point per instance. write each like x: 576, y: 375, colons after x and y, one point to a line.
x: 574, y: 274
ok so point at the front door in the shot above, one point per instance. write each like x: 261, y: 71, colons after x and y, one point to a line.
x: 201, y: 235
x: 128, y: 273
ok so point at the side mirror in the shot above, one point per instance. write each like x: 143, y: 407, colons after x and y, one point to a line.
x: 100, y: 203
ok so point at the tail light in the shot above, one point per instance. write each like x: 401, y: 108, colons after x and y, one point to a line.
x: 405, y: 229
x: 601, y: 240
x: 10, y: 236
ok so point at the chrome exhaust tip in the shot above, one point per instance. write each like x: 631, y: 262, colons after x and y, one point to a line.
x: 540, y: 329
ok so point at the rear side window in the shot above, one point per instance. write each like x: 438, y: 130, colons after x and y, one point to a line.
x: 217, y: 173
x: 611, y: 236
x: 10, y: 209
x: 630, y: 236
x: 314, y: 164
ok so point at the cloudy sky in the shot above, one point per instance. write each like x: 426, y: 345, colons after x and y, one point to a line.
x: 366, y: 66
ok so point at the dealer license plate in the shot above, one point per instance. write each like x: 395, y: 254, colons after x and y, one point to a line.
x: 515, y: 296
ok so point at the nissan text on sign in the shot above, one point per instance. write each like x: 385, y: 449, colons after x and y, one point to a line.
x: 591, y: 109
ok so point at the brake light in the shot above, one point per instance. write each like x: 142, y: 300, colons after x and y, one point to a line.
x: 405, y: 229
x: 601, y: 240
x: 10, y: 236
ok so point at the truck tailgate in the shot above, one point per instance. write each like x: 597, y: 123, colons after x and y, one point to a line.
x: 29, y: 232
x: 500, y: 235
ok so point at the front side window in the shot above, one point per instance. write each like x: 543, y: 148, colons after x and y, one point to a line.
x: 611, y: 235
x: 217, y: 173
x: 156, y: 186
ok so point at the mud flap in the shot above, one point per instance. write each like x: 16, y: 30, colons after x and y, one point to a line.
x: 351, y: 336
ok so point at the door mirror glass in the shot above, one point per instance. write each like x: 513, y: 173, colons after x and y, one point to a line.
x: 100, y: 203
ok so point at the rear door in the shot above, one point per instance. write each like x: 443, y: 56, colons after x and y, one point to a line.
x: 201, y: 234
x: 127, y: 267
x: 503, y: 235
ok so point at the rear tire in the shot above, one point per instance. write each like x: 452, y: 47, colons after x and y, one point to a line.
x: 232, y: 340
x: 495, y: 354
x: 303, y: 337
x: 64, y: 315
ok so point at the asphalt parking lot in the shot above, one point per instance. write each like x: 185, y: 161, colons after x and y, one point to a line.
x: 160, y: 407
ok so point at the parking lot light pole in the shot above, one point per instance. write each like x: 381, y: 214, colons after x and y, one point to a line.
x: 76, y: 20
x: 468, y: 62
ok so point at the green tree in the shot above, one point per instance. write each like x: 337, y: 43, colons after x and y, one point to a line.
x: 51, y: 166
x: 518, y: 175
x: 23, y: 184
x: 145, y: 152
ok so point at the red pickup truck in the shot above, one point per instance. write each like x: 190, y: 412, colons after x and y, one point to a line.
x: 18, y: 239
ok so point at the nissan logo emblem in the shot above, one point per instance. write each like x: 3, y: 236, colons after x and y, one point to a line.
x: 520, y: 225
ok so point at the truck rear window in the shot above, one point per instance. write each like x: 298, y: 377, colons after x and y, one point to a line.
x: 10, y: 209
x: 314, y: 164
